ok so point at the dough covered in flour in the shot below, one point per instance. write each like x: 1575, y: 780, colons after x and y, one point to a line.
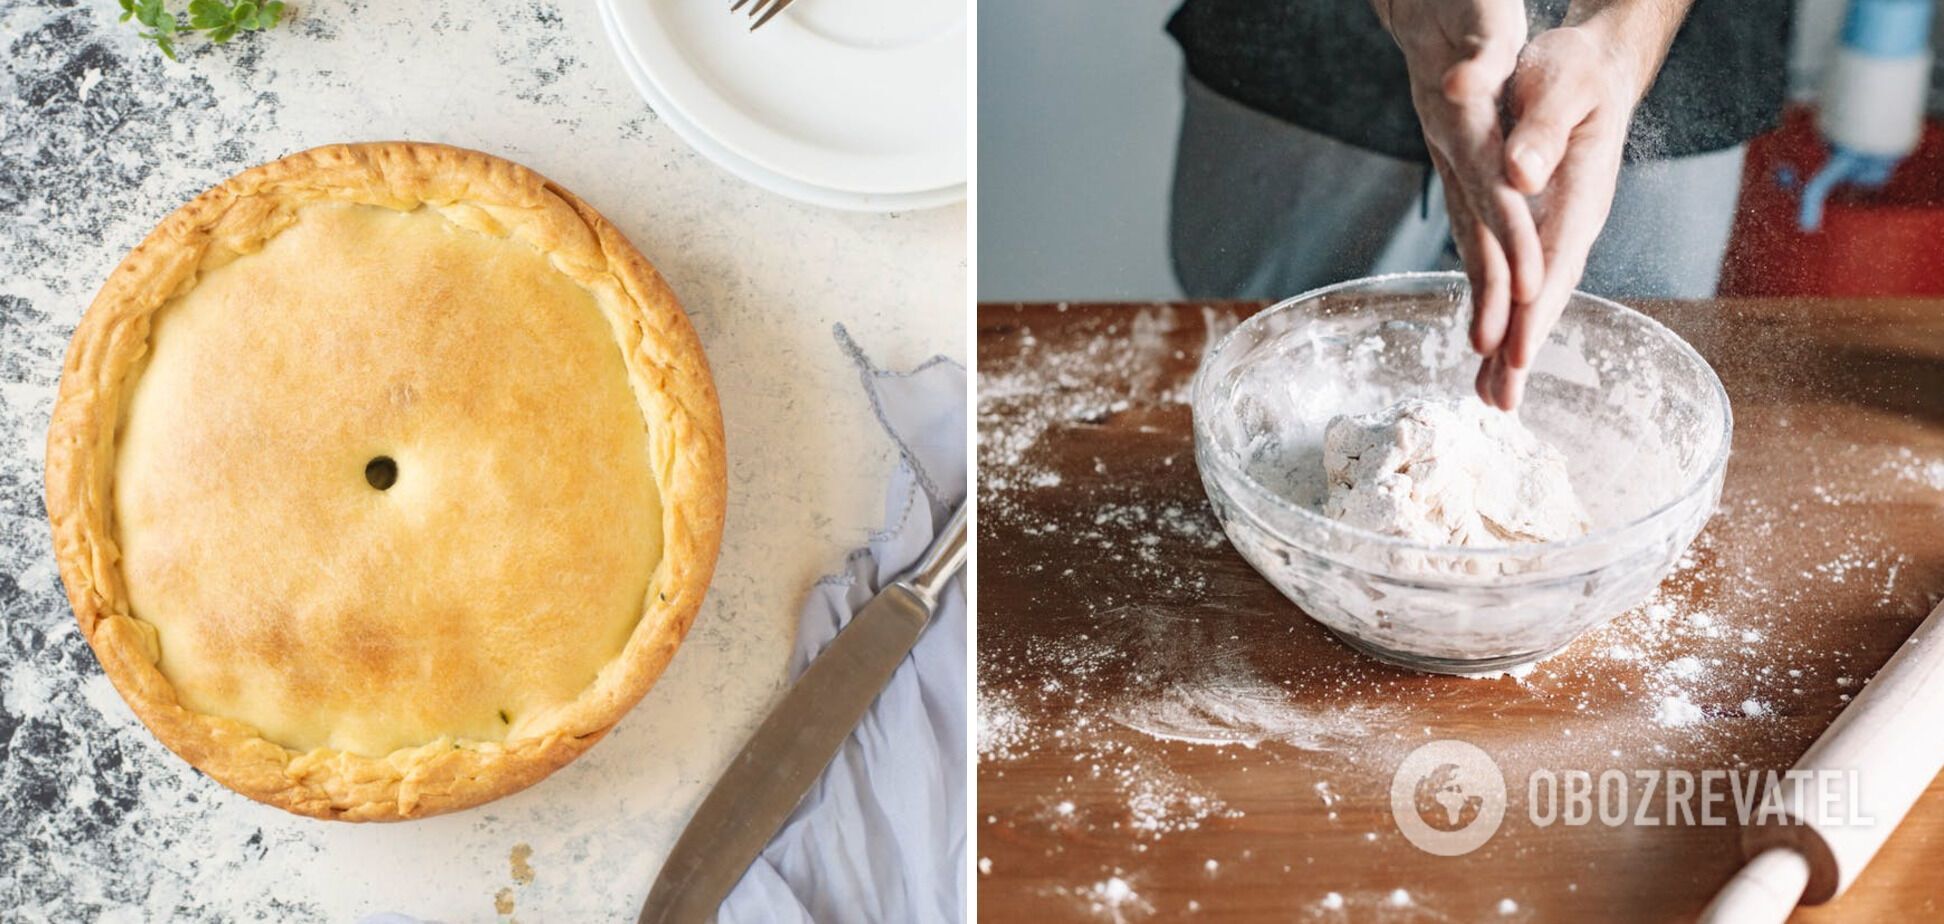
x: 1448, y: 472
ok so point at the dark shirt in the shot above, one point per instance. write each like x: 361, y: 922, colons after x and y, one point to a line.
x: 1328, y: 66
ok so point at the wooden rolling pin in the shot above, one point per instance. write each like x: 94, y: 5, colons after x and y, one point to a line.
x: 1889, y: 737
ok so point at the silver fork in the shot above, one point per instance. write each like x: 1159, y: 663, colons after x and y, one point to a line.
x: 762, y: 12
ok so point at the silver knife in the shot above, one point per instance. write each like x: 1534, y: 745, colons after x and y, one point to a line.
x: 790, y: 750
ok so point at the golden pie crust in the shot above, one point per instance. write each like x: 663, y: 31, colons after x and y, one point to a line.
x: 324, y: 638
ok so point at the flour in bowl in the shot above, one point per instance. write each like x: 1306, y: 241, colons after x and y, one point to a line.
x: 1448, y: 472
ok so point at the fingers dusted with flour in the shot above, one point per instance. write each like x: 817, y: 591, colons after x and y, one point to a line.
x: 1570, y: 98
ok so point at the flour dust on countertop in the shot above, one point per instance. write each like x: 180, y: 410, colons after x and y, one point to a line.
x: 1121, y: 657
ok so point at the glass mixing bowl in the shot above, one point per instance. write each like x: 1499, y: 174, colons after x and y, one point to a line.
x: 1642, y: 419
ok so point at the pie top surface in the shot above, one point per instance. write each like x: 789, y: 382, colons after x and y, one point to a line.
x: 384, y: 479
x: 503, y: 566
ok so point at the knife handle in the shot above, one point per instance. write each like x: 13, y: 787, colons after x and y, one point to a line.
x: 947, y: 554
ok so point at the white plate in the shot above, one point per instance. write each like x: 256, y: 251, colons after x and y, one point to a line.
x: 770, y: 180
x: 849, y: 96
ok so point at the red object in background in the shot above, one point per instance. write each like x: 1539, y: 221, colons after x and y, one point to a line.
x: 1887, y: 241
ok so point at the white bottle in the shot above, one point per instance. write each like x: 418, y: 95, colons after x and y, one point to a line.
x: 1874, y: 90
x: 1877, y: 81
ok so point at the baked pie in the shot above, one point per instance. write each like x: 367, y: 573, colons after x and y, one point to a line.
x: 384, y: 478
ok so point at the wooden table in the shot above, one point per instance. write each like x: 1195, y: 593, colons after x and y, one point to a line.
x: 1121, y: 641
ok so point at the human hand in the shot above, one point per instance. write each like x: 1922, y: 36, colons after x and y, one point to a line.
x: 1571, y: 97
x: 1460, y: 54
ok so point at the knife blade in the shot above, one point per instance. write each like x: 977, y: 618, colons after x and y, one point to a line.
x: 769, y: 776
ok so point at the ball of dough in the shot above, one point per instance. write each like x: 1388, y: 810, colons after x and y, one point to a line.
x: 1448, y: 472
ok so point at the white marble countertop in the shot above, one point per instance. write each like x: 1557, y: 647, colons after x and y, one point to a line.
x: 100, y: 137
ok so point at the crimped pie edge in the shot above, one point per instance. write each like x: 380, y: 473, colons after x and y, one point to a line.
x: 686, y: 454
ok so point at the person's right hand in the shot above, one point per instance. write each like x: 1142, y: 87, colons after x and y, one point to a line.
x: 1460, y: 54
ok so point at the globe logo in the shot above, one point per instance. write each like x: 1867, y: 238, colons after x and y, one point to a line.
x: 1448, y: 797
x: 1446, y: 801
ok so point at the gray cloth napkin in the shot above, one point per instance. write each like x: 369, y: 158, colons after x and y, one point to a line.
x: 881, y: 836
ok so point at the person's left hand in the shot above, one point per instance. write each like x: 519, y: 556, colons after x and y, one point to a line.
x: 1570, y: 98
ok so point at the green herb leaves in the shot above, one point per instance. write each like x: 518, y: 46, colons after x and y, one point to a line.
x: 160, y: 23
x: 216, y: 19
x: 222, y: 21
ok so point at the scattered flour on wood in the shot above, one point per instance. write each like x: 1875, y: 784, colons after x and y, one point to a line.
x: 1115, y: 899
x: 1151, y: 801
x: 1731, y: 659
x: 1045, y: 388
x: 1715, y: 648
x: 1240, y: 710
x: 1908, y: 466
x: 1001, y: 725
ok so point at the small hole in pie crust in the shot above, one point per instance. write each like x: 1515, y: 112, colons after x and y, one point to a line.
x: 381, y: 473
